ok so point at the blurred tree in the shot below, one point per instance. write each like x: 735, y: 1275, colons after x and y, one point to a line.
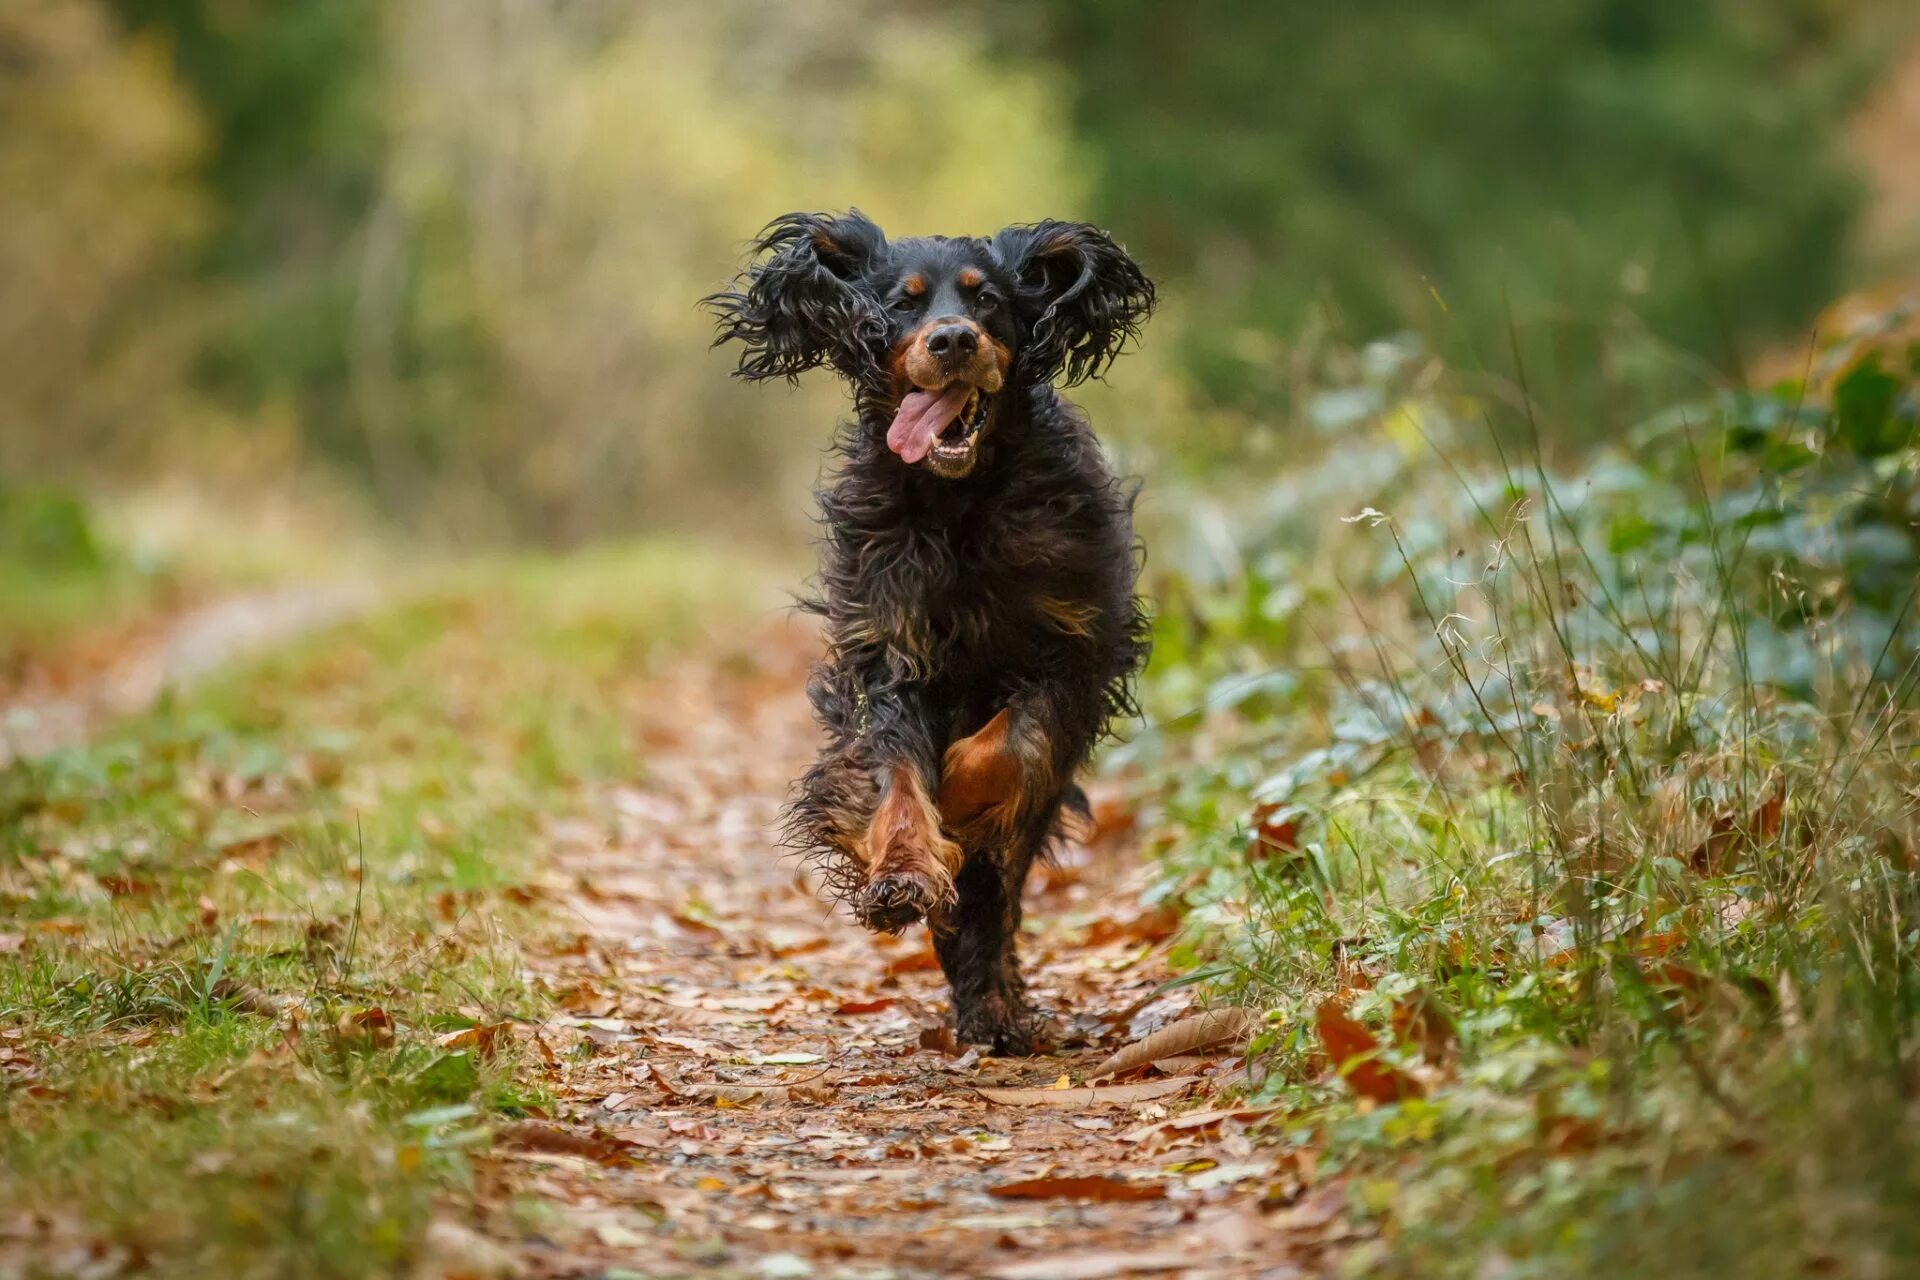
x: 566, y: 181
x: 292, y: 93
x: 97, y: 198
x: 1589, y: 159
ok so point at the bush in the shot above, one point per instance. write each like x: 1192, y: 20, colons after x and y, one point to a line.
x: 1611, y: 767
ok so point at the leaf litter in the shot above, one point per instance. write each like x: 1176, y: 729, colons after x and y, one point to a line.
x: 772, y: 1086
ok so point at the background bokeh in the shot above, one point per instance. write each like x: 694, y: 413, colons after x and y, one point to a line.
x: 430, y: 267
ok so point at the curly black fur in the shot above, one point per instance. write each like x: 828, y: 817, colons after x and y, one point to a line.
x: 946, y: 600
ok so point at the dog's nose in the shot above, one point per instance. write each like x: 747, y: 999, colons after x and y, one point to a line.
x: 954, y: 344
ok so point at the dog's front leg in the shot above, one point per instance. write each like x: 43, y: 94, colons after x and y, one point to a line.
x: 910, y: 862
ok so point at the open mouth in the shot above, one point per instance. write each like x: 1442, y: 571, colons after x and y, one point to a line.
x: 941, y: 428
x: 959, y: 438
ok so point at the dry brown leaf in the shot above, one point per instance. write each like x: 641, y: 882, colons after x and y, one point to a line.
x: 660, y: 1078
x: 1148, y: 924
x: 547, y: 1055
x: 482, y: 1038
x: 738, y: 1095
x: 1729, y: 836
x: 1421, y: 1022
x: 365, y: 1029
x: 1276, y: 831
x: 1188, y: 1034
x: 1198, y: 1120
x: 1093, y: 1187
x: 532, y: 1135
x: 1113, y: 1095
x: 856, y: 1008
x: 1354, y: 1053
x: 922, y: 961
x: 1104, y: 1264
x: 941, y: 1040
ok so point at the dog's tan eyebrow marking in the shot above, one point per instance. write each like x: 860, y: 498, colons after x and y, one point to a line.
x: 971, y: 277
x: 915, y: 285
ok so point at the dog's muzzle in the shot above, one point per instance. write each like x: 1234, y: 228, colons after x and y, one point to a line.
x: 955, y: 372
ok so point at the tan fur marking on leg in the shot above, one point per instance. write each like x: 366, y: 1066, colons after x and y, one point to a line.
x: 979, y: 771
x: 904, y: 837
x: 989, y: 774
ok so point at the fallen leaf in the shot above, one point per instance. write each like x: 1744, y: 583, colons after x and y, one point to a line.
x: 1083, y: 1188
x: 482, y: 1038
x: 1184, y: 1036
x: 1354, y: 1053
x: 737, y: 1095
x: 1276, y: 831
x: 1100, y: 1265
x: 1198, y: 1120
x: 243, y: 997
x: 532, y: 1135
x: 1728, y: 835
x: 615, y: 1236
x: 547, y: 1056
x: 1115, y: 1095
x: 451, y: 1249
x: 365, y: 1029
x: 941, y: 1040
x: 856, y: 1008
x: 1149, y: 924
x: 923, y: 961
x: 1421, y: 1022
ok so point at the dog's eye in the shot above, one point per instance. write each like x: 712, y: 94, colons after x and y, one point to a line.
x: 986, y: 299
x: 904, y: 303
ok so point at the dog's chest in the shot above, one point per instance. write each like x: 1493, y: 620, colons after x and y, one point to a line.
x: 1012, y: 587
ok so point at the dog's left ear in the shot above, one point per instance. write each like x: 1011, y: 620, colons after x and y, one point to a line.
x: 1080, y: 296
x: 799, y: 304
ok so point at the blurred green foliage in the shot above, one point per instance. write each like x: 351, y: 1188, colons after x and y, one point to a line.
x: 291, y: 95
x: 443, y: 255
x: 1581, y: 166
x: 1613, y: 763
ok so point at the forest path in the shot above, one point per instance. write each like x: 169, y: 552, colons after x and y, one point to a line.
x: 747, y: 1084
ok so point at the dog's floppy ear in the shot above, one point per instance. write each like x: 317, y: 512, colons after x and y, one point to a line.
x: 797, y: 304
x: 1080, y: 295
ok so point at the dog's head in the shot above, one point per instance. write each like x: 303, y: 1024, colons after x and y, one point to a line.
x: 933, y: 333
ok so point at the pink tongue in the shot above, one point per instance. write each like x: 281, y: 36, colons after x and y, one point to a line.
x: 921, y: 417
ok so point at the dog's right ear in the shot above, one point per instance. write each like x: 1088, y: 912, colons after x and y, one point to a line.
x: 799, y: 302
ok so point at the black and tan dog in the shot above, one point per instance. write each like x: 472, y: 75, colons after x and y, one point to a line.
x: 978, y: 572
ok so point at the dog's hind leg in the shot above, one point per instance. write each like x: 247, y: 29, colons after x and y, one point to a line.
x: 977, y: 953
x: 1001, y: 787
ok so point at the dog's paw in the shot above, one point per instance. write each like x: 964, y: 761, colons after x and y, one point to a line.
x: 889, y: 903
x: 1007, y: 1028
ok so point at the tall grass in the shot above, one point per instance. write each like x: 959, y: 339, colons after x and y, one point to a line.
x: 1617, y: 767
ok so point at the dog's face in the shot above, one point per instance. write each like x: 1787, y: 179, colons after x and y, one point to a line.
x: 933, y: 333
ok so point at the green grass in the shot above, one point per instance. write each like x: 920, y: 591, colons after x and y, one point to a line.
x: 1620, y: 769
x: 196, y: 903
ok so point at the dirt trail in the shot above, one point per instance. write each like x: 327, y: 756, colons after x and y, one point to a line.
x: 695, y: 966
x: 173, y: 652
